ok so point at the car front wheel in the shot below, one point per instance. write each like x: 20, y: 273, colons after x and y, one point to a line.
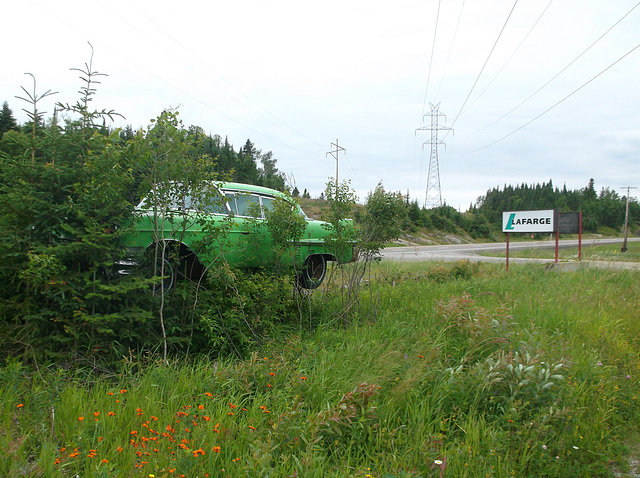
x: 313, y: 272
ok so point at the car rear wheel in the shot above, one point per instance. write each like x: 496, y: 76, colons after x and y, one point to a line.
x: 313, y: 272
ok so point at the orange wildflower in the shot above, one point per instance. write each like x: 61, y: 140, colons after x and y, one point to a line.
x: 197, y: 452
x: 20, y: 405
x: 80, y: 419
x: 216, y: 449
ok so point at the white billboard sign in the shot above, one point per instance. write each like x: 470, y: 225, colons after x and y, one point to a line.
x: 529, y: 221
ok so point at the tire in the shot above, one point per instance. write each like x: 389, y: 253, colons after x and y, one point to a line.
x: 313, y: 272
x: 161, y: 265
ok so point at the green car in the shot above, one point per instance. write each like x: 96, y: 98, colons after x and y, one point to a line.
x: 225, y: 222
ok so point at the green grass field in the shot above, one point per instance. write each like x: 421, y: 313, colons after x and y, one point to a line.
x: 456, y: 370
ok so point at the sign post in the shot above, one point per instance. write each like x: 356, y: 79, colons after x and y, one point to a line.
x: 571, y: 223
x: 545, y: 221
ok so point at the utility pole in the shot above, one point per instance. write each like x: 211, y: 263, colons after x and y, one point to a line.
x: 334, y: 154
x: 433, y: 195
x: 626, y: 219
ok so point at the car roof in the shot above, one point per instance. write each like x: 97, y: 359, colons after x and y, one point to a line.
x: 250, y: 188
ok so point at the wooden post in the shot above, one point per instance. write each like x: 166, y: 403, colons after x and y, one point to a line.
x: 507, y: 252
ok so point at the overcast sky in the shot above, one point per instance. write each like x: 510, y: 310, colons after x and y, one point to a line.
x: 534, y: 90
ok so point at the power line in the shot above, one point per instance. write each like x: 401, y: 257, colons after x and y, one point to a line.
x: 512, y: 55
x: 561, y: 71
x: 455, y: 35
x: 485, y: 63
x: 433, y: 47
x: 562, y: 100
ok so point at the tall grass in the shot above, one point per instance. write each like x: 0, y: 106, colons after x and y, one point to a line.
x: 463, y: 370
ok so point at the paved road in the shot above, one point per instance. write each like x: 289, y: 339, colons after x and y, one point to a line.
x: 471, y: 252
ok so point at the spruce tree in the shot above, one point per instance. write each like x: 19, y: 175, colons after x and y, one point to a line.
x: 7, y: 121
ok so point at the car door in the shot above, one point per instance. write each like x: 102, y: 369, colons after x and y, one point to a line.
x: 248, y: 237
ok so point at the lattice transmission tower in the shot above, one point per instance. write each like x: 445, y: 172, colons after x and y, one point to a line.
x: 433, y: 194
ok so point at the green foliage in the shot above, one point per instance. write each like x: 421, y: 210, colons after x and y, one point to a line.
x: 7, y: 121
x: 285, y: 228
x: 62, y: 195
x: 382, y: 220
x: 240, y: 310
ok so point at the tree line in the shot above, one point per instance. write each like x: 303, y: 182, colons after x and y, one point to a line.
x: 602, y: 212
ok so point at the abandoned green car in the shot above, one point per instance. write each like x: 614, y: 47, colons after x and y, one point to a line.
x: 225, y: 222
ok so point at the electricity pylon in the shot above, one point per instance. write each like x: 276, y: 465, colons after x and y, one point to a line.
x: 433, y: 194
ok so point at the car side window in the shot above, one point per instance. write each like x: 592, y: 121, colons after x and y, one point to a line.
x: 231, y: 201
x: 267, y: 204
x: 248, y: 205
x: 215, y: 204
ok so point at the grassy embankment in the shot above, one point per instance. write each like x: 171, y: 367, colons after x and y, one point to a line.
x: 455, y: 370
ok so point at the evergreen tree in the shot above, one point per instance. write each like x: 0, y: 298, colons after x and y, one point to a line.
x: 7, y: 121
